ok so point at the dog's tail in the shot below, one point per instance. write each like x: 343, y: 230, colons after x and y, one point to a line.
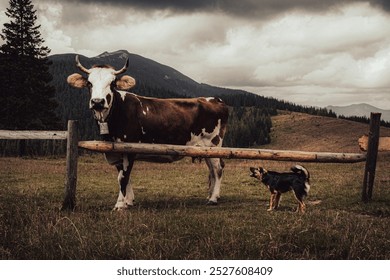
x: 299, y: 169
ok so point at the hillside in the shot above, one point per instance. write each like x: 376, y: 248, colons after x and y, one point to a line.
x: 297, y: 131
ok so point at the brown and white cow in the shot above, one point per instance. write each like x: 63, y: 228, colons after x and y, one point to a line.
x: 127, y: 117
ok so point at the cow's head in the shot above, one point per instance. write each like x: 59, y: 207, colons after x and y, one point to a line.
x: 101, y: 82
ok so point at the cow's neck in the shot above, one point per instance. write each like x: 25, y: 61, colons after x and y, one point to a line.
x: 122, y: 121
x: 107, y: 128
x: 117, y: 121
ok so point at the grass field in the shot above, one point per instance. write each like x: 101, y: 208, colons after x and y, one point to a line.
x: 171, y: 221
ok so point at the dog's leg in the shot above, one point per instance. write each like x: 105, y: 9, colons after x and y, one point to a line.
x: 271, y: 202
x: 301, y: 205
x: 277, y: 200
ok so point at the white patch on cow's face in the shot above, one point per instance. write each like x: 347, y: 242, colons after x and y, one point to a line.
x: 204, y: 139
x: 100, y: 80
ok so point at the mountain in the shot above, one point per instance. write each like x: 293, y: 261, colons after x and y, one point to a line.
x: 158, y: 80
x: 360, y: 110
x: 144, y: 70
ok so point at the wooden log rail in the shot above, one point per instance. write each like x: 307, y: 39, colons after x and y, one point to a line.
x: 217, y: 152
x: 33, y: 134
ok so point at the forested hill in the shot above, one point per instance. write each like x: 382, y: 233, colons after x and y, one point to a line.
x: 249, y: 122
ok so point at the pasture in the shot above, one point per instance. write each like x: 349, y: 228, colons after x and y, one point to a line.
x: 171, y: 221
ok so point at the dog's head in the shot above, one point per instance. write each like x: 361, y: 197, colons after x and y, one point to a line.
x: 258, y: 173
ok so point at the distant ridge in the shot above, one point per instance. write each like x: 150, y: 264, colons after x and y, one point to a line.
x: 359, y: 110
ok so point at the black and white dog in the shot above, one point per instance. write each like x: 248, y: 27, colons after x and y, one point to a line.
x: 298, y: 181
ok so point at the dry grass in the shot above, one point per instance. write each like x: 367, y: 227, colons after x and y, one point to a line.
x: 171, y: 221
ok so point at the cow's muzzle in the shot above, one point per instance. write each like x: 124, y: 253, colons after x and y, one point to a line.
x: 98, y: 104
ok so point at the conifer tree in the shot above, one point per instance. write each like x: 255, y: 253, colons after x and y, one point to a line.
x: 26, y: 98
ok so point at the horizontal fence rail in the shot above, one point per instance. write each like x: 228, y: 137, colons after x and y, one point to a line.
x: 218, y: 152
x: 34, y: 135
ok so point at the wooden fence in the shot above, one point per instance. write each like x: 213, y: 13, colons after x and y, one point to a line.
x: 71, y: 135
x: 219, y: 152
x: 369, y: 143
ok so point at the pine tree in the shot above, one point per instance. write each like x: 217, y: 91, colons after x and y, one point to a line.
x: 27, y: 98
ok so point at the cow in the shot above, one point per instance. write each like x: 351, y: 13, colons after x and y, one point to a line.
x: 123, y: 116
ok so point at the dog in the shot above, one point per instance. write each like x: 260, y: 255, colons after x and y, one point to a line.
x: 298, y: 181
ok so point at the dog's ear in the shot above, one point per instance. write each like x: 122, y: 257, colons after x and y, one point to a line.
x: 263, y: 170
x: 253, y: 171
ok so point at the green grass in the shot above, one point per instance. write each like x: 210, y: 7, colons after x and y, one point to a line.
x: 171, y: 221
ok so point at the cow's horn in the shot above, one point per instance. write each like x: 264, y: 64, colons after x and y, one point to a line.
x: 81, y: 67
x: 124, y: 68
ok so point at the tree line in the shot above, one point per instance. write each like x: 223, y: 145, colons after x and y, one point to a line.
x: 363, y: 119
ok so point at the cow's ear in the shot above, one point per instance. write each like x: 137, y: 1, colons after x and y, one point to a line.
x: 77, y: 81
x: 125, y: 82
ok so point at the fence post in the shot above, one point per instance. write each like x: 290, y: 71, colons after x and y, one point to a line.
x: 71, y: 166
x: 372, y: 154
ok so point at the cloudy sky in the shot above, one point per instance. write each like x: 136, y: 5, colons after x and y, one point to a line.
x: 311, y: 52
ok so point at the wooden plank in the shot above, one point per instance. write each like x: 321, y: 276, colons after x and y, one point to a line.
x: 69, y: 202
x: 29, y: 134
x: 384, y: 143
x: 217, y: 152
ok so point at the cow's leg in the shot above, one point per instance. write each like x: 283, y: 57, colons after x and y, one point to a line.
x: 215, y: 166
x: 126, y: 194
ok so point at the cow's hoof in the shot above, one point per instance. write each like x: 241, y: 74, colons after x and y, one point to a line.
x: 212, y: 203
x: 117, y: 209
x: 120, y: 207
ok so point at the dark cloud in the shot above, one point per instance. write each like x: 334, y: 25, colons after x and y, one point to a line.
x: 174, y: 5
x: 238, y: 8
x: 385, y: 4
